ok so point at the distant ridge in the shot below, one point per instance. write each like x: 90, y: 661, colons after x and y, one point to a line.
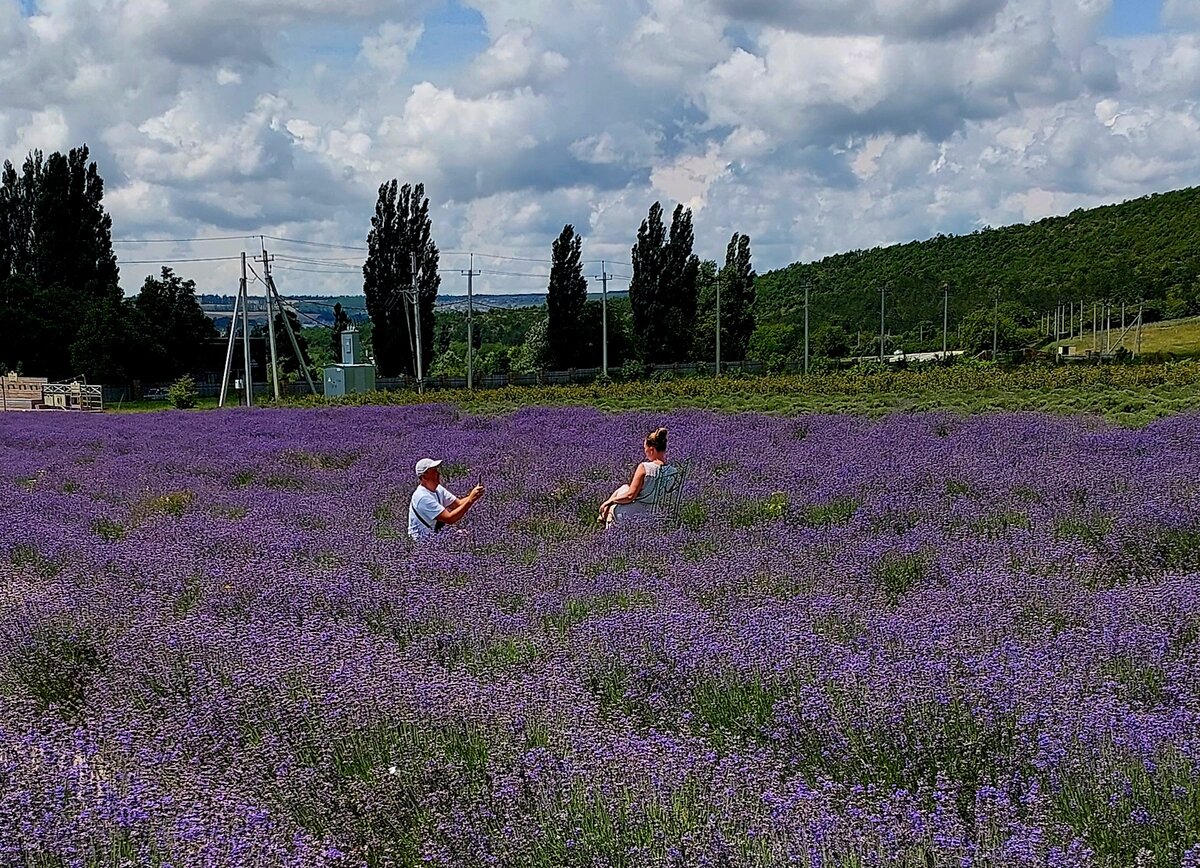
x: 1147, y: 248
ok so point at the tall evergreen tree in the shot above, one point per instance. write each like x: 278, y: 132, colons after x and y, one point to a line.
x: 565, y: 299
x: 737, y: 299
x: 399, y: 229
x: 645, y: 293
x: 664, y: 285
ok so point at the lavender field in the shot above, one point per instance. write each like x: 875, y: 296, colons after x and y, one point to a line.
x: 923, y: 640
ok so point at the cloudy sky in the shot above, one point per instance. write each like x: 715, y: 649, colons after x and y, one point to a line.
x: 815, y: 126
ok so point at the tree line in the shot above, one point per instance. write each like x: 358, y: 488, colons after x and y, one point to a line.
x: 672, y: 300
x: 62, y: 311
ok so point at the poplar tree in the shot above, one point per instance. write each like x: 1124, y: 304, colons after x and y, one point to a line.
x: 736, y: 282
x: 662, y: 292
x: 400, y: 228
x: 565, y: 300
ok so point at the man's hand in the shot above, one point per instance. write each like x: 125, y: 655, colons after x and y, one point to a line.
x: 452, y: 514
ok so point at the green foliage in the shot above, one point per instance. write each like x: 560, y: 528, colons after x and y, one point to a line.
x: 837, y: 511
x: 54, y: 667
x: 831, y: 341
x: 735, y: 281
x: 990, y: 326
x: 174, y: 330
x: 776, y: 345
x: 400, y: 228
x: 106, y: 345
x: 729, y: 707
x: 1146, y: 248
x: 747, y: 513
x: 58, y: 273
x: 897, y: 573
x: 109, y: 530
x: 182, y: 394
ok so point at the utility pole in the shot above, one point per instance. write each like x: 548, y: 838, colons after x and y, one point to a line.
x: 719, y: 324
x: 603, y: 278
x: 417, y: 317
x: 882, y: 289
x: 266, y: 264
x: 246, y: 333
x: 1095, y: 337
x: 807, y: 286
x: 945, y: 316
x: 239, y: 304
x: 1137, y: 341
x: 470, y: 273
x: 995, y: 325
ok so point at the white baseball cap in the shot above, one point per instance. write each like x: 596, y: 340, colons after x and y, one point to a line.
x: 424, y: 464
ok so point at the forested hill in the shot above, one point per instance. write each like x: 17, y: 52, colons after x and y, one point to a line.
x: 1147, y: 248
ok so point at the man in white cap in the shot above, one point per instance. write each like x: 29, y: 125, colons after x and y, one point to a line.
x: 432, y: 505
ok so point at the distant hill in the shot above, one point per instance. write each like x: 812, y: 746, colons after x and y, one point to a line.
x: 1147, y: 248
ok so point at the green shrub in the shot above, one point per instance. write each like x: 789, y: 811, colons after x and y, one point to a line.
x: 182, y: 393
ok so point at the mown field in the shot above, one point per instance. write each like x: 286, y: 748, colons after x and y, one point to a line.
x: 919, y: 640
x: 1179, y: 337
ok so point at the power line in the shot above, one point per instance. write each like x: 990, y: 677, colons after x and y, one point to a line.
x: 338, y: 273
x: 342, y: 262
x: 313, y: 243
x: 169, y: 261
x: 181, y: 240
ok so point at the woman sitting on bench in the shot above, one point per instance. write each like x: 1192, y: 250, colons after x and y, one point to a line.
x: 641, y: 494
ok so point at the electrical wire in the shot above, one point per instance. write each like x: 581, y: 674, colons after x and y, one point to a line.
x: 170, y: 261
x: 181, y: 240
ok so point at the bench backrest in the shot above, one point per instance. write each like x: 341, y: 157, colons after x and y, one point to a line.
x: 664, y: 491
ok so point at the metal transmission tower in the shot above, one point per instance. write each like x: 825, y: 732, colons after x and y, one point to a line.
x: 240, y: 303
x: 273, y: 295
x: 470, y: 273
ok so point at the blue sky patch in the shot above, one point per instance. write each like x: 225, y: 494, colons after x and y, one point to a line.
x: 1134, y: 18
x: 454, y: 35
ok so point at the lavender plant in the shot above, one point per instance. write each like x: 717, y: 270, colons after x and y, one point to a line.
x: 921, y: 640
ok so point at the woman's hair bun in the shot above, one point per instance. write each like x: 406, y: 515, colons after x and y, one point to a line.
x: 658, y: 439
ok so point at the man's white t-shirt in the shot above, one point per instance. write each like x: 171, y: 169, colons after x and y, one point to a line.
x: 424, y: 508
